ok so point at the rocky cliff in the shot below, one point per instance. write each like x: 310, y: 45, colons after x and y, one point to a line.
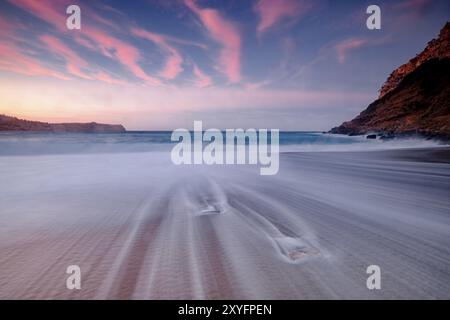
x: 8, y: 123
x: 414, y: 100
x: 436, y: 49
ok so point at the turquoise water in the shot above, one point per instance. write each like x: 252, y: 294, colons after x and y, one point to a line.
x: 30, y: 143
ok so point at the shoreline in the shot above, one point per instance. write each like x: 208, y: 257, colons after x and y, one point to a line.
x: 426, y: 155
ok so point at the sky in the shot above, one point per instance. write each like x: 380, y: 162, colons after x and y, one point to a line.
x: 161, y: 64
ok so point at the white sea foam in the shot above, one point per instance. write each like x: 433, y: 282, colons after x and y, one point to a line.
x: 360, y: 143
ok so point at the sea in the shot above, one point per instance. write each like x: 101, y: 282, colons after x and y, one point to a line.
x: 35, y: 143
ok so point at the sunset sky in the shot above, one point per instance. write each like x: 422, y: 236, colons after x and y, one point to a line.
x: 154, y: 65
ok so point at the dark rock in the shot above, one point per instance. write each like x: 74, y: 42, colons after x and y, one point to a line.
x: 387, y: 136
x: 436, y: 49
x: 371, y: 136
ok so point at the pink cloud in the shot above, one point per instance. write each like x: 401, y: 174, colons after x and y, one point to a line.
x: 92, y: 38
x: 272, y: 12
x: 53, y: 12
x: 344, y: 47
x: 174, y: 62
x: 227, y: 34
x: 202, y: 80
x: 126, y: 54
x: 73, y: 61
x: 173, y: 66
x: 13, y: 60
x: 103, y: 76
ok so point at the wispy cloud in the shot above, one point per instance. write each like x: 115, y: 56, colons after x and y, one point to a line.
x: 345, y: 47
x: 74, y: 62
x: 92, y: 37
x: 13, y: 60
x: 126, y: 54
x: 227, y: 34
x: 105, y: 77
x: 196, y: 51
x: 19, y: 60
x: 49, y: 11
x: 202, y: 80
x: 174, y: 61
x: 271, y: 12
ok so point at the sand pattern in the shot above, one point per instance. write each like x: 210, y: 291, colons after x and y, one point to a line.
x: 142, y: 228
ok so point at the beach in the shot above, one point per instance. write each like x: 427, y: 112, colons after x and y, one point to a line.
x: 140, y: 227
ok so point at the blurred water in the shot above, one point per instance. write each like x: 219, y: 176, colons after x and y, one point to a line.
x: 141, y: 227
x: 29, y: 143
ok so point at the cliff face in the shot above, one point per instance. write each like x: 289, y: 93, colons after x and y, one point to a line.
x: 414, y: 100
x: 14, y: 124
x: 436, y: 49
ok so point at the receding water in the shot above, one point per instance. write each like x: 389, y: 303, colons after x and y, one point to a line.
x: 28, y: 143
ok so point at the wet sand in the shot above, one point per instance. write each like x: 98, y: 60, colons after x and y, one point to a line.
x: 141, y: 228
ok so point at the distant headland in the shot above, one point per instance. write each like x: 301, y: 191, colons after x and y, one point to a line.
x: 8, y: 123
